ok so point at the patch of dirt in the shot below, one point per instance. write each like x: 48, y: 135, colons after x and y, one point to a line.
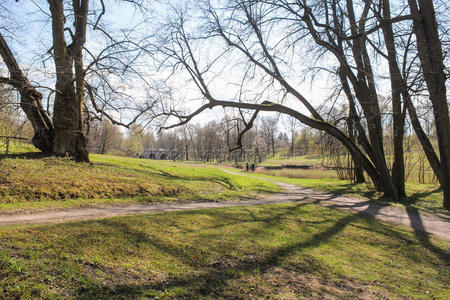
x: 291, y: 284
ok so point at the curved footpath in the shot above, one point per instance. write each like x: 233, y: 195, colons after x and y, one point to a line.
x: 291, y: 194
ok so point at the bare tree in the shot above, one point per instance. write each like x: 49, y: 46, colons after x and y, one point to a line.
x: 179, y: 49
x: 269, y: 130
x: 84, y: 73
x: 432, y: 62
x: 261, y: 32
x: 30, y: 102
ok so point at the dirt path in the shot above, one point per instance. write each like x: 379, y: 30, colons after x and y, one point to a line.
x: 291, y: 194
x: 392, y: 214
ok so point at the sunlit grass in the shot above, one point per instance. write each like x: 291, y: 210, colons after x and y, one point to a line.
x: 273, y: 251
x: 417, y: 168
x: 47, y: 182
x: 16, y: 147
x: 315, y: 160
x: 300, y: 173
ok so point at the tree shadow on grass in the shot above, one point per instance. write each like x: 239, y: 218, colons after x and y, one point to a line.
x: 349, y: 189
x: 217, y: 278
x: 225, y: 217
x: 25, y: 155
x: 423, y: 237
x: 413, y: 202
x: 212, y: 279
x: 417, y: 195
x: 416, y: 221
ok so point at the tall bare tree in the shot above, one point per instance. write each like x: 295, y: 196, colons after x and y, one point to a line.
x: 257, y: 31
x: 84, y: 73
x: 432, y: 62
x: 179, y: 50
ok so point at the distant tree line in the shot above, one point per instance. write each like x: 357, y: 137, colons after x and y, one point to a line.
x: 212, y: 141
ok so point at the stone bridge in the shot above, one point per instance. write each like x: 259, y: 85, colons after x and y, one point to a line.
x: 160, y: 154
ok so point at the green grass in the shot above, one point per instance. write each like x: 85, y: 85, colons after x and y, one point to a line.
x: 413, y: 171
x: 301, y: 173
x: 49, y: 182
x: 308, y: 160
x: 284, y: 251
x: 420, y: 197
x: 16, y: 147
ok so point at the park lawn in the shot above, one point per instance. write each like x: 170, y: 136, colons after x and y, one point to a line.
x: 49, y: 182
x: 313, y: 173
x: 421, y: 197
x: 284, y: 251
x: 315, y: 160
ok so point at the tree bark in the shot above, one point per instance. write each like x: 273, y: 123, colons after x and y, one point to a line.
x: 432, y: 62
x: 365, y: 90
x: 67, y: 111
x: 352, y: 122
x: 358, y: 170
x: 398, y: 168
x: 30, y: 101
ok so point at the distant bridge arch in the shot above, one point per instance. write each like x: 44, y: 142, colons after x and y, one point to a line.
x: 160, y: 154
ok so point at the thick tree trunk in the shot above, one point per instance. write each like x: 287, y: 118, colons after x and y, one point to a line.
x: 30, y: 101
x: 67, y: 110
x: 398, y: 168
x: 65, y: 117
x: 432, y: 62
x: 81, y: 11
x: 44, y: 134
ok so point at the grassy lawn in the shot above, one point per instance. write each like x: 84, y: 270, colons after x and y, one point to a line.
x: 16, y: 147
x: 301, y: 173
x: 49, y: 182
x: 308, y: 160
x: 274, y: 251
x: 421, y: 197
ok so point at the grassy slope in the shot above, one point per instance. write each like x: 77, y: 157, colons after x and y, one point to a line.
x: 421, y: 197
x: 56, y: 182
x: 274, y: 251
